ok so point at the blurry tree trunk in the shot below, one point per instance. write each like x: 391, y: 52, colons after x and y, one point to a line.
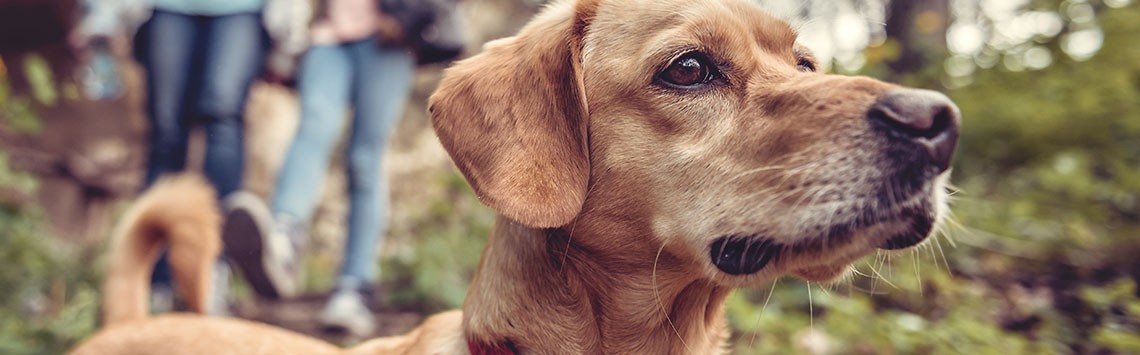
x: 919, y: 28
x: 31, y: 24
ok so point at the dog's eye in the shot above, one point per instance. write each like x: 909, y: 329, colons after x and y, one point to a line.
x: 688, y: 71
x: 805, y: 65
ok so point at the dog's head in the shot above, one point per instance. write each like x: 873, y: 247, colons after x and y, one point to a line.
x: 698, y: 128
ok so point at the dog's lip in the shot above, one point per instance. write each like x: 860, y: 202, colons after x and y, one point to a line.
x: 919, y: 228
x: 822, y: 272
x: 744, y: 254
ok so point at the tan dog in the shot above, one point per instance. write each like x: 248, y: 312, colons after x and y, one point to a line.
x: 645, y: 158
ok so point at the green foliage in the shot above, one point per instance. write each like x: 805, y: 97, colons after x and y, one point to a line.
x: 434, y: 273
x: 39, y: 75
x: 1050, y: 176
x: 16, y: 111
x: 909, y: 312
x: 1065, y: 143
x: 13, y: 181
x: 1119, y: 306
x: 48, y: 300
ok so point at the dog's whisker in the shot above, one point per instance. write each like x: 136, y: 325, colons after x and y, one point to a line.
x: 771, y: 290
x: 917, y: 270
x: 661, y: 305
x: 929, y: 246
x: 868, y: 292
x: 890, y: 264
x: 886, y: 260
x: 855, y: 270
x: 874, y: 272
x: 811, y: 307
x: 945, y: 262
x: 570, y: 233
x: 824, y: 289
x: 950, y: 220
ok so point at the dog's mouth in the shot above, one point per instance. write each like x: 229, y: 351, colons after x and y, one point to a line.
x: 817, y: 257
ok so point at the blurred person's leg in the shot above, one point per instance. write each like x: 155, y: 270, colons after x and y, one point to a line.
x: 167, y: 57
x: 380, y: 91
x: 232, y: 52
x: 265, y: 249
x: 168, y: 62
x: 323, y: 86
x: 233, y: 56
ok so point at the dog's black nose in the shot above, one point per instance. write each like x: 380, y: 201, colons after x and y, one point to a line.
x: 926, y: 117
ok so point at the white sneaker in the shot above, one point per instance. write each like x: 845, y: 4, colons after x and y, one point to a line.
x: 347, y: 313
x: 268, y: 260
x: 161, y: 299
x: 218, y: 303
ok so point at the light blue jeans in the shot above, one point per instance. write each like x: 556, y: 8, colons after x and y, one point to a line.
x: 375, y: 80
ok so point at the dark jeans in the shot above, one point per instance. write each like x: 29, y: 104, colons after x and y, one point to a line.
x: 199, y: 70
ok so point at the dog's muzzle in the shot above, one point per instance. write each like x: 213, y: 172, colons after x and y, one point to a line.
x: 923, y: 128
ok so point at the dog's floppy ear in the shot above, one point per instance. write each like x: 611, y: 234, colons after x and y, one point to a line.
x: 514, y: 119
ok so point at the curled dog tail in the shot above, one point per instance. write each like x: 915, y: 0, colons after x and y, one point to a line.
x: 179, y: 213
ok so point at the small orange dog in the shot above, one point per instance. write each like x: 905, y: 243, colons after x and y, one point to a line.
x: 645, y: 158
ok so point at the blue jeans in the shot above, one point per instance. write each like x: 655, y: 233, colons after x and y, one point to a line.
x: 199, y: 70
x: 375, y: 80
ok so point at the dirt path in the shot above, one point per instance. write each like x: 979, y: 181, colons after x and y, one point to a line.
x: 300, y: 315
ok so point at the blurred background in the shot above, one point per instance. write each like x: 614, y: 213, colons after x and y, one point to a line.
x: 1041, y: 255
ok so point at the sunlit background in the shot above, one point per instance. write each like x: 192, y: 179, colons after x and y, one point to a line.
x: 1041, y: 256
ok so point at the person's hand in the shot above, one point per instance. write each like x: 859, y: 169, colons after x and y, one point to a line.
x: 81, y: 43
x: 388, y: 30
x: 280, y: 68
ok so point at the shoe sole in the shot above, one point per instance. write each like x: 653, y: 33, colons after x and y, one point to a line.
x: 342, y: 329
x: 245, y: 244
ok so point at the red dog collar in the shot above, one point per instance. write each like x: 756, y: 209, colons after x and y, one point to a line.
x: 479, y: 348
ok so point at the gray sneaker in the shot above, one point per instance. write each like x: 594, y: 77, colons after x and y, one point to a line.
x: 347, y: 313
x: 219, y: 302
x: 161, y: 298
x: 267, y: 259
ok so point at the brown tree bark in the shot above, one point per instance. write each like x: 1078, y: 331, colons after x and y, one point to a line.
x: 32, y: 24
x: 919, y: 28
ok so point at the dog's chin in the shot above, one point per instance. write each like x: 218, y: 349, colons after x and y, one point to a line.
x: 832, y: 264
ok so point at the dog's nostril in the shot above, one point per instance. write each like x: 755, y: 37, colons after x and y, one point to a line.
x: 918, y: 113
x: 924, y: 116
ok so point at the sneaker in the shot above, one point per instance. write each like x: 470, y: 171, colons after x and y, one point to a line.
x: 218, y: 303
x: 268, y: 259
x: 347, y: 313
x: 161, y: 298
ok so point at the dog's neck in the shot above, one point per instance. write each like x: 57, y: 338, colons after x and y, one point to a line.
x: 540, y: 291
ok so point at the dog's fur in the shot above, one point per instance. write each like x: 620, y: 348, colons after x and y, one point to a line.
x: 613, y: 190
